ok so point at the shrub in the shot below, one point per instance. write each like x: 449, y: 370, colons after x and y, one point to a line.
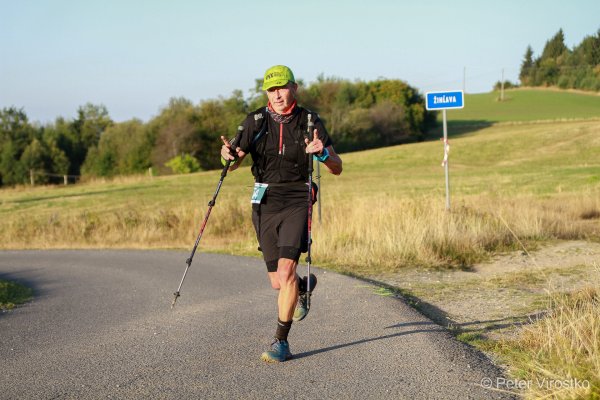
x: 183, y: 164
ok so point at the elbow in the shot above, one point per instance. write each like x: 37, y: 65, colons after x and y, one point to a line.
x: 338, y: 171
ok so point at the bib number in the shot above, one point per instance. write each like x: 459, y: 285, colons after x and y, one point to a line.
x: 259, y: 192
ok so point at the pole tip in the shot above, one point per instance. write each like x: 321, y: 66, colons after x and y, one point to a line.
x: 175, y: 300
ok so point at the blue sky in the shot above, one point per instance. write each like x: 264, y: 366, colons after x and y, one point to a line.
x: 132, y: 56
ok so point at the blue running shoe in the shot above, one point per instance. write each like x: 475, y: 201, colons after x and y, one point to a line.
x: 280, y: 352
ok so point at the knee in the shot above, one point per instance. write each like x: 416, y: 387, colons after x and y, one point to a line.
x: 274, y: 279
x: 286, y: 271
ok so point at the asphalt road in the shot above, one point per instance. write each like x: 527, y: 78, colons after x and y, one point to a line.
x: 100, y: 326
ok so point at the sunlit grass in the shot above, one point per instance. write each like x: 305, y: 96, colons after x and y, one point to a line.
x: 559, y: 354
x: 386, y: 210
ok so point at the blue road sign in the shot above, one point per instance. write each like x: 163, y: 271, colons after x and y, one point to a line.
x: 444, y: 100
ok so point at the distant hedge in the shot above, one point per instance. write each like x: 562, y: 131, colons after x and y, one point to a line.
x: 359, y: 115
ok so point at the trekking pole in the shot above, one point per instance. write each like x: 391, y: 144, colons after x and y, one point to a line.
x: 310, y: 208
x: 210, y: 206
x: 320, y: 191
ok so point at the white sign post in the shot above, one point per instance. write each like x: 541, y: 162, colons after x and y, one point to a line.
x: 443, y: 101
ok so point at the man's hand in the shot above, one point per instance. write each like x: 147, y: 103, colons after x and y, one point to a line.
x: 234, y: 154
x: 316, y: 146
x: 229, y: 153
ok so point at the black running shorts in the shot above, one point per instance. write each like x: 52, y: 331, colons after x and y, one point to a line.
x: 281, y: 234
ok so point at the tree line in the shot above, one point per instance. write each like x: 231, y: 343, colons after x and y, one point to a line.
x: 557, y: 65
x: 184, y: 137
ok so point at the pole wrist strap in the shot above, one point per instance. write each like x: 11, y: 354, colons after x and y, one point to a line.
x: 324, y: 156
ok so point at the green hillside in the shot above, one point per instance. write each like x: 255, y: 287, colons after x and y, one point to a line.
x: 526, y: 105
x: 534, y: 159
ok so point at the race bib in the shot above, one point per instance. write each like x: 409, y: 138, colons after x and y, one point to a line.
x: 259, y: 192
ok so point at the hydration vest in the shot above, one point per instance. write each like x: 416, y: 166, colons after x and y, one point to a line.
x: 261, y: 134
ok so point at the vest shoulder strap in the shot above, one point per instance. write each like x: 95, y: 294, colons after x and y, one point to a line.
x: 260, y: 123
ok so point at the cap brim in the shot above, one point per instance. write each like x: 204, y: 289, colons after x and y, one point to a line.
x: 272, y: 84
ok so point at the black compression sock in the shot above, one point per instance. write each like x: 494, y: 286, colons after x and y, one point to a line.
x: 283, y: 328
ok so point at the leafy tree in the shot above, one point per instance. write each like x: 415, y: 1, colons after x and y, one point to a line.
x: 92, y: 120
x: 35, y: 158
x: 356, y: 131
x: 100, y: 163
x: 15, y: 126
x: 15, y: 135
x: 183, y: 164
x: 171, y: 130
x: 124, y: 148
x: 62, y: 138
x: 351, y: 108
x: 11, y: 169
x: 58, y: 159
x: 216, y: 118
x: 389, y: 120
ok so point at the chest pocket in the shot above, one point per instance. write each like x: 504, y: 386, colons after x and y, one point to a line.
x: 295, y: 157
x: 294, y: 146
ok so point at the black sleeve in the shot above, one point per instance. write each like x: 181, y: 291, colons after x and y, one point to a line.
x: 322, y: 132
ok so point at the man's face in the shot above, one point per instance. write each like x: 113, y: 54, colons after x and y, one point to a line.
x: 282, y: 97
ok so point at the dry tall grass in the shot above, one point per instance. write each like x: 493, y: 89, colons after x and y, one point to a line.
x: 379, y: 233
x: 387, y: 233
x: 559, y: 355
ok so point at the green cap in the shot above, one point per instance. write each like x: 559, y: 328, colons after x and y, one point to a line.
x: 279, y: 75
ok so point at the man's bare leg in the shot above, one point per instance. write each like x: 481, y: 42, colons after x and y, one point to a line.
x: 288, y: 288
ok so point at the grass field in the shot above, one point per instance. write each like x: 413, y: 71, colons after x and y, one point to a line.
x: 542, y: 179
x: 527, y: 105
x: 512, y: 185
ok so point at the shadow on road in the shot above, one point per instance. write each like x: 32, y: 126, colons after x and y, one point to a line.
x: 24, y: 278
x: 435, y: 328
x: 445, y: 321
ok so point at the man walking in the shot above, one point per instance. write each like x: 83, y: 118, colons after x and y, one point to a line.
x: 277, y: 139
